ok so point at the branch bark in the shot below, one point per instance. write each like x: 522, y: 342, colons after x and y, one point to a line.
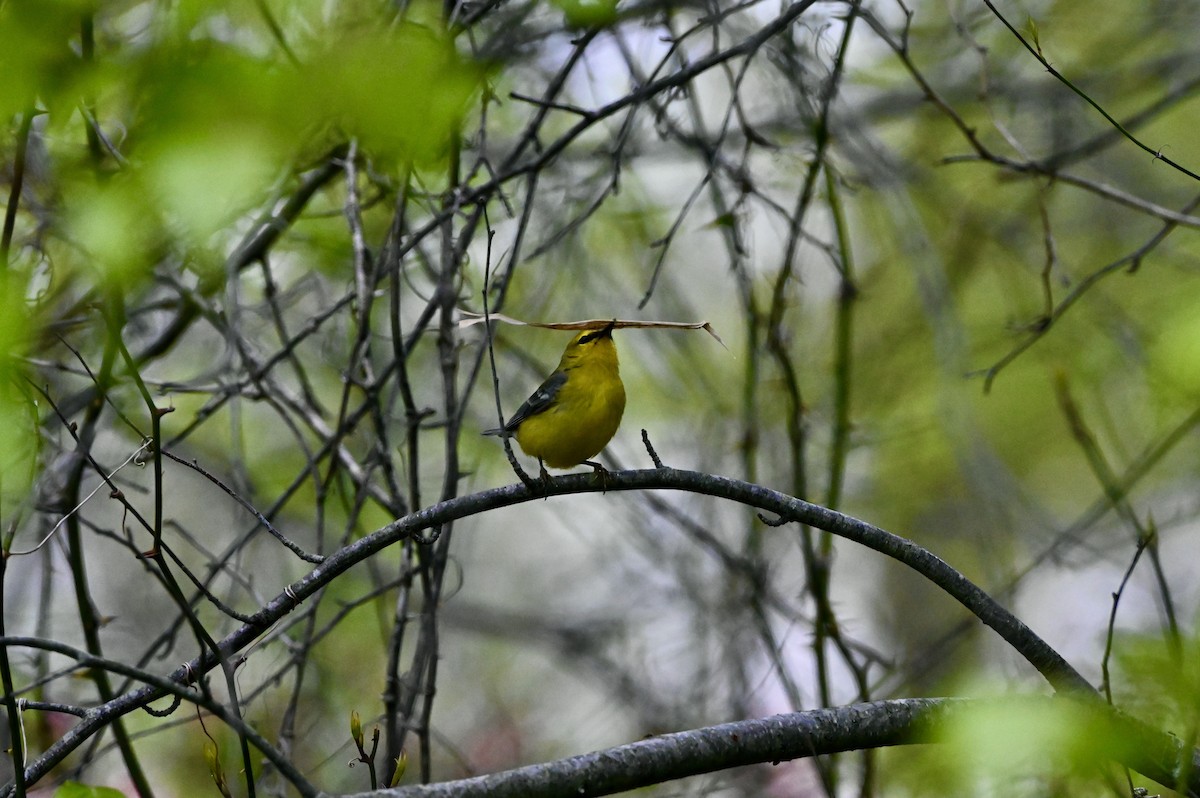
x: 797, y: 735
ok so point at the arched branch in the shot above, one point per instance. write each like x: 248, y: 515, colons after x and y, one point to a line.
x: 1057, y: 671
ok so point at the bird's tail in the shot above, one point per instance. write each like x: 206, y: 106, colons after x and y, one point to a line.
x: 500, y: 432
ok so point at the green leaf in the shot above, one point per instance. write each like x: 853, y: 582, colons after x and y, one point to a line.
x: 73, y: 789
x: 588, y: 13
x: 36, y: 66
x: 403, y: 92
x: 723, y: 220
x: 1024, y: 739
x: 1031, y: 29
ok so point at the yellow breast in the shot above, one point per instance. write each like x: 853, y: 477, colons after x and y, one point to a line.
x: 581, y: 422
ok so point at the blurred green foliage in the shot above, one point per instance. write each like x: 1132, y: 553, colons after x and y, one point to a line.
x: 1018, y: 747
x: 208, y: 117
x: 73, y: 789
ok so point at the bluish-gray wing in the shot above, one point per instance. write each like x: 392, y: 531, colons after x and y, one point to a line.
x: 538, y: 401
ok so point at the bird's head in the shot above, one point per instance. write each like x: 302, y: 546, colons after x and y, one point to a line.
x: 591, y: 347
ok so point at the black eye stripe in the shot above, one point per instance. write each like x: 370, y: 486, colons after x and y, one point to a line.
x: 592, y: 336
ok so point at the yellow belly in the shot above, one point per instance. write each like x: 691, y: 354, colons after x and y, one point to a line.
x: 577, y: 427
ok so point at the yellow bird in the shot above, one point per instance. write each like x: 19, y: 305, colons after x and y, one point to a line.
x: 576, y: 411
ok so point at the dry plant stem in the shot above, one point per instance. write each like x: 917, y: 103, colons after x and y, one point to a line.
x: 1131, y: 263
x: 1106, y: 138
x: 162, y: 686
x: 491, y: 354
x: 201, y: 588
x: 1106, y: 681
x: 264, y: 235
x: 1037, y: 53
x: 394, y: 688
x: 529, y: 138
x: 87, y: 52
x: 817, y: 562
x: 91, y: 633
x: 420, y: 682
x: 602, y: 194
x: 248, y: 507
x: 843, y: 351
x: 401, y: 351
x: 81, y: 435
x: 356, y: 374
x: 1109, y: 482
x: 514, y: 167
x: 708, y: 159
x: 708, y: 154
x: 1048, y: 168
x: 436, y: 555
x: 840, y: 444
x: 271, y: 297
x: 299, y: 660
x: 658, y: 463
x: 68, y: 497
x: 696, y: 138
x: 115, y: 316
x: 18, y: 180
x: 167, y: 582
x: 753, y: 592
x: 15, y: 736
x: 817, y: 559
x: 714, y: 164
x: 401, y: 693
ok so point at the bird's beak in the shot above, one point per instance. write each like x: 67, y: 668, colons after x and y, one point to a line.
x: 606, y: 332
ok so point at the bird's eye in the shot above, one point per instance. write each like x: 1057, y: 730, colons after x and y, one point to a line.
x: 592, y: 336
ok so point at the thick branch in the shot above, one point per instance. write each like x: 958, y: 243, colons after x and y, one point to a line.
x: 674, y: 756
x: 800, y: 735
